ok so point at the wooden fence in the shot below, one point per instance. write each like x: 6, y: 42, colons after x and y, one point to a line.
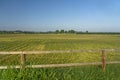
x: 23, y: 58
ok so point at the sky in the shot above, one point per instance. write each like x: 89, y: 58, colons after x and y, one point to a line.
x: 50, y: 15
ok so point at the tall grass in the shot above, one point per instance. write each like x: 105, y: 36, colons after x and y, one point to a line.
x: 66, y: 73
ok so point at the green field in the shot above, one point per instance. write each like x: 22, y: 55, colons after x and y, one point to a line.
x: 39, y: 42
x: 21, y: 42
x: 42, y: 42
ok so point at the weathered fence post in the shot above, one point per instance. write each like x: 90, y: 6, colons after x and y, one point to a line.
x: 23, y: 58
x: 103, y: 60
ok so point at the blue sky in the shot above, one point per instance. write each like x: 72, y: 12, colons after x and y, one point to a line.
x: 47, y: 15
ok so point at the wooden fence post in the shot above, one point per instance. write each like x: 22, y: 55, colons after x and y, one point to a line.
x: 103, y: 60
x: 23, y: 58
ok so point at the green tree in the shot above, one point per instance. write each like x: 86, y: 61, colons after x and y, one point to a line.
x: 62, y: 31
x: 57, y: 31
x: 71, y: 31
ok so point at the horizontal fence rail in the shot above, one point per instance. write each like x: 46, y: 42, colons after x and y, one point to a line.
x: 59, y: 65
x: 56, y: 51
x: 23, y: 58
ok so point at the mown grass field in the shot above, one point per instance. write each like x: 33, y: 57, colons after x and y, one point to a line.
x: 21, y: 42
x: 39, y: 42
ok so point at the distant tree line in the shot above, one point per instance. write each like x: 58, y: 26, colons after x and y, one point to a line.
x: 33, y: 32
x: 65, y: 31
x: 16, y: 32
x: 62, y: 31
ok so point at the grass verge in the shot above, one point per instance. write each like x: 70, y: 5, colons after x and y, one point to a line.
x: 66, y: 73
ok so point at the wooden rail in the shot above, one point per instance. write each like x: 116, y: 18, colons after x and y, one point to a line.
x: 23, y: 58
x: 55, y: 51
x: 59, y: 65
